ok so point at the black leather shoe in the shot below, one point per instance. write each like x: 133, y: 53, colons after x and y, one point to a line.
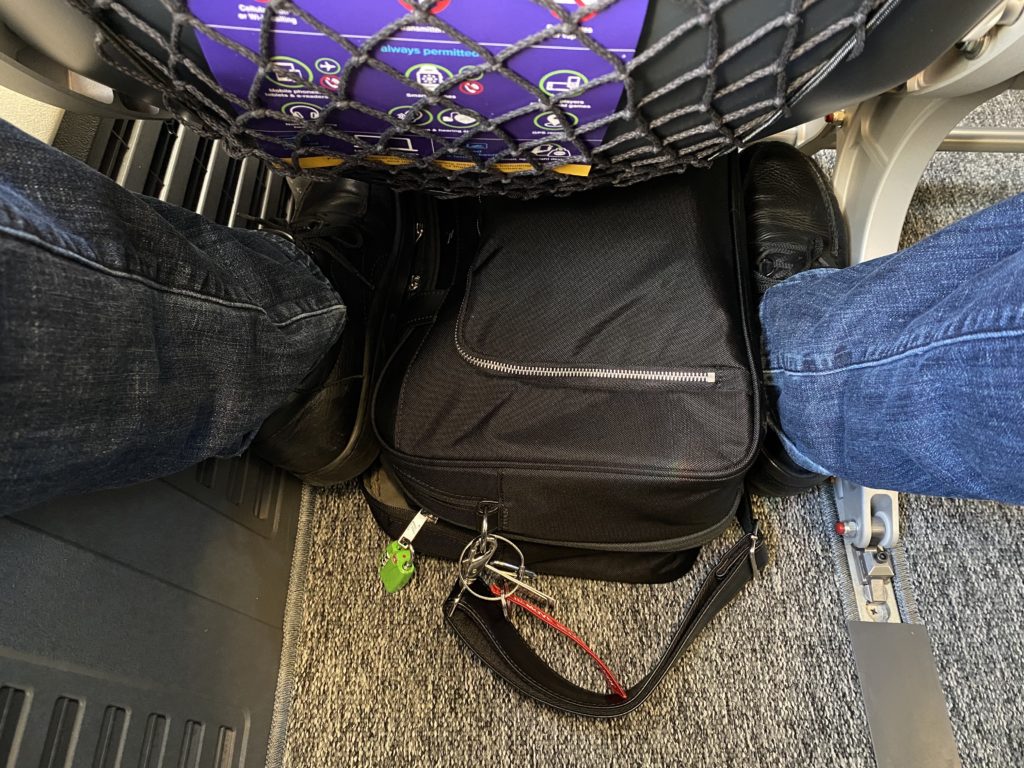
x: 353, y: 232
x: 794, y: 223
x: 793, y: 218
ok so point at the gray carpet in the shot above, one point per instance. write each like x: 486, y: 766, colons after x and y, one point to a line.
x: 771, y: 682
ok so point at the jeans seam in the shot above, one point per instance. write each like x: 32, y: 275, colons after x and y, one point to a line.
x: 913, y: 352
x: 102, y: 268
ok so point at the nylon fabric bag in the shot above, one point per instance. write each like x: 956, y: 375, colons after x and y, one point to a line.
x: 590, y: 385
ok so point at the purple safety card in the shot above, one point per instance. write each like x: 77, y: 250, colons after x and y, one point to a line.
x: 558, y: 64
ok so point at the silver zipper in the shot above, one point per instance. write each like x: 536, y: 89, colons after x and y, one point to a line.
x: 516, y: 369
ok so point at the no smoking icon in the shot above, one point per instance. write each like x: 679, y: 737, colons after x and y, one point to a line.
x: 472, y: 87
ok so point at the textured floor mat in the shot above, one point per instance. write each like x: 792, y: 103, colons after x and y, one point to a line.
x: 380, y: 680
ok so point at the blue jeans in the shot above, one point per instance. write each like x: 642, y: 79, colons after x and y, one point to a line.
x: 137, y: 339
x: 907, y: 372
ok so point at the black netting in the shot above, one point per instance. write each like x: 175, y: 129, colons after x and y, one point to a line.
x: 705, y: 77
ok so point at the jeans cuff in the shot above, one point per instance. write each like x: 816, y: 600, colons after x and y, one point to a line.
x: 800, y: 459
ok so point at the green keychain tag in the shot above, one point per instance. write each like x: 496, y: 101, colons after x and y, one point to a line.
x: 396, y: 567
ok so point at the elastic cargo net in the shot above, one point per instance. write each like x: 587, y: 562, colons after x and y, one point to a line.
x: 633, y: 88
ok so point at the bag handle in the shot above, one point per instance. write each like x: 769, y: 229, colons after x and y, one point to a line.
x: 482, y: 626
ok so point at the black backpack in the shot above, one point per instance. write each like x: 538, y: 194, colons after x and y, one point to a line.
x: 583, y: 382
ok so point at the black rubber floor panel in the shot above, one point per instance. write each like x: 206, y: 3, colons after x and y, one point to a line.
x: 142, y: 627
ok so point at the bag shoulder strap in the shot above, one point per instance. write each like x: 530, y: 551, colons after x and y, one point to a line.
x: 482, y: 626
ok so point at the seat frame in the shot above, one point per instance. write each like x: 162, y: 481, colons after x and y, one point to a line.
x: 882, y: 148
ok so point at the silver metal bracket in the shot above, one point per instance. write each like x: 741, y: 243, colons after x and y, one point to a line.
x: 907, y: 715
x: 867, y: 516
x: 885, y: 143
x: 873, y: 572
x: 869, y: 523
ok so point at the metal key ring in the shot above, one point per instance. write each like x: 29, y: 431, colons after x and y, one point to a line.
x: 463, y: 559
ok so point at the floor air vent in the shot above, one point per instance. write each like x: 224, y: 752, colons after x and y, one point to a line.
x: 170, y: 162
x: 59, y: 748
x: 13, y: 711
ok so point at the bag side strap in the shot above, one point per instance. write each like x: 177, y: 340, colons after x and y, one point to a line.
x: 482, y: 626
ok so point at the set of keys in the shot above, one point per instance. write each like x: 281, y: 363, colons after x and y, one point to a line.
x: 477, y: 561
x: 505, y: 579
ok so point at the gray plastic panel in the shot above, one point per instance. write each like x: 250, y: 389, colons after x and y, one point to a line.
x: 143, y: 626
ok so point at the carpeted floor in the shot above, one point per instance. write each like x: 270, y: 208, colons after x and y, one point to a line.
x: 379, y: 682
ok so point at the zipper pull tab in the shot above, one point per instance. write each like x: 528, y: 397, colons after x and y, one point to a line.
x: 415, y: 526
x: 396, y: 564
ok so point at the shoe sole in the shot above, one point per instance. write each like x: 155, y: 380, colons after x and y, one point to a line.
x: 771, y: 479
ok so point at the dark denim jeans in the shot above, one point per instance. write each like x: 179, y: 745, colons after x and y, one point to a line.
x: 907, y: 372
x: 137, y: 339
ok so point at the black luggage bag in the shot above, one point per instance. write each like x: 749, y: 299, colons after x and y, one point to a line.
x: 588, y: 388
